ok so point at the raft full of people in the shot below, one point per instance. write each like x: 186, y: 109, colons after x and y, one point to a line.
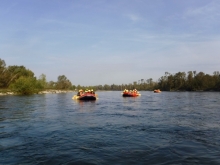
x: 157, y: 91
x: 85, y: 95
x: 130, y: 93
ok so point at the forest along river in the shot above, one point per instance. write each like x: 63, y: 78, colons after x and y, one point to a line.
x: 155, y: 128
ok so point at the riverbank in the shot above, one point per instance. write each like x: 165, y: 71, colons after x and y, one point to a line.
x: 41, y: 92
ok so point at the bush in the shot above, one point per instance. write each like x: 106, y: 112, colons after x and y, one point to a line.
x: 26, y: 86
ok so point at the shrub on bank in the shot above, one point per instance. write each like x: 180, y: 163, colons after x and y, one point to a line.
x: 26, y: 86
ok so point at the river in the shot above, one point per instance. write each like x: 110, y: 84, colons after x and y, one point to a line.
x: 155, y: 128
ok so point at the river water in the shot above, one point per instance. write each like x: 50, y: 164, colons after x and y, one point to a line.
x: 155, y: 128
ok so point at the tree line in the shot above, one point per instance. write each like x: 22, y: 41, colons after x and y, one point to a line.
x: 21, y: 80
x: 191, y: 81
x: 181, y: 81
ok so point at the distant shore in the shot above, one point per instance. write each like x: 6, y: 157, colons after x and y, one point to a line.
x: 41, y: 92
x: 51, y: 91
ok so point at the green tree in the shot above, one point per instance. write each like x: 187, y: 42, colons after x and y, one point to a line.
x: 114, y: 87
x: 14, y: 72
x: 179, y: 80
x: 107, y: 87
x: 3, y: 74
x: 162, y: 83
x: 73, y: 87
x: 216, y: 78
x: 42, y: 80
x: 199, y: 84
x: 51, y: 85
x: 25, y: 86
x: 63, y: 83
x: 189, y: 81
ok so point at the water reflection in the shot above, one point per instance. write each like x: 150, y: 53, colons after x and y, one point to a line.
x: 86, y: 105
x: 82, y: 102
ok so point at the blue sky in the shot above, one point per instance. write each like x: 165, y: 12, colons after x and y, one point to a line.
x: 110, y: 42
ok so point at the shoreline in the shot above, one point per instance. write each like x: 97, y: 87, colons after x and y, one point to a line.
x: 68, y: 91
x: 41, y: 92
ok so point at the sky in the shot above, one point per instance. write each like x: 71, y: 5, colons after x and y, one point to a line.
x: 110, y: 42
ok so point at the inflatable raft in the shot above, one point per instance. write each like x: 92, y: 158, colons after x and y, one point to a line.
x: 128, y: 94
x: 85, y: 96
x: 157, y: 91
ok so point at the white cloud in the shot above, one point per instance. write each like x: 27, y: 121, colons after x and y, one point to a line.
x: 134, y: 17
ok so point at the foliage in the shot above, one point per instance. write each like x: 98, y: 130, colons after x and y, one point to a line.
x: 192, y: 82
x: 51, y: 85
x: 26, y: 85
x: 63, y: 83
x: 3, y: 74
x: 17, y: 71
x: 42, y: 80
x: 22, y: 81
x: 10, y: 74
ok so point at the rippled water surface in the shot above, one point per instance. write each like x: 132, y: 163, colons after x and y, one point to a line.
x: 155, y: 128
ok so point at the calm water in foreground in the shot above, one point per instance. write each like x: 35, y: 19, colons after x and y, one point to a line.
x: 165, y: 128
